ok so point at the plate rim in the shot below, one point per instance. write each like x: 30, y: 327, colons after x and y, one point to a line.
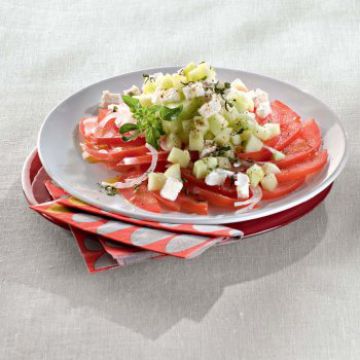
x: 199, y: 220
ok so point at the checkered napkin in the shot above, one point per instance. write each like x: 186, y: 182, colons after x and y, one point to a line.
x: 107, y: 240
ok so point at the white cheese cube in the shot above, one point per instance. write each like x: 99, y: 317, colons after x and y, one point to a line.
x: 217, y: 177
x: 193, y: 90
x: 263, y: 109
x: 110, y: 98
x: 210, y: 108
x: 171, y: 189
x: 242, y: 185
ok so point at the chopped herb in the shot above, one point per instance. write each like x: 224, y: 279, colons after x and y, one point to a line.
x: 127, y: 127
x: 109, y: 189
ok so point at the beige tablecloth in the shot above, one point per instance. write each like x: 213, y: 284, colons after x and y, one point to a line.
x: 291, y: 294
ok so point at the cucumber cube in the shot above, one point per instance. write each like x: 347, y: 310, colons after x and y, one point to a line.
x: 223, y: 137
x: 173, y: 171
x: 242, y: 101
x: 156, y: 181
x: 165, y: 82
x: 178, y: 156
x: 270, y: 168
x: 269, y: 182
x: 253, y: 144
x: 201, y: 124
x: 149, y: 87
x: 196, y: 140
x: 188, y: 68
x: 200, y: 169
x: 224, y: 162
x: 217, y: 123
x: 173, y: 141
x: 236, y: 139
x: 211, y: 162
x: 255, y: 174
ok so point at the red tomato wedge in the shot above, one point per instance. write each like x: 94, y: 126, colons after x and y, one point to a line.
x: 168, y: 204
x: 212, y: 197
x: 118, y: 141
x: 301, y: 170
x: 142, y: 198
x: 304, y: 147
x: 226, y: 189
x: 191, y: 205
x: 282, y: 189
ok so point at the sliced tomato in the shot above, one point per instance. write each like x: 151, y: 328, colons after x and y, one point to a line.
x: 190, y: 205
x: 118, y: 141
x: 262, y: 155
x: 142, y: 198
x: 170, y: 205
x: 211, y: 197
x: 304, y: 147
x: 301, y: 170
x: 117, y: 154
x: 282, y: 189
x: 227, y: 189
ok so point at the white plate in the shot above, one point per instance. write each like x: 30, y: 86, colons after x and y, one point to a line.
x: 59, y: 151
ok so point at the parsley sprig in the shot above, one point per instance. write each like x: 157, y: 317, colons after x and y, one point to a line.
x: 148, y: 120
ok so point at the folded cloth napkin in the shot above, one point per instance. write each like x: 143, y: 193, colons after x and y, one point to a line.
x: 121, y: 240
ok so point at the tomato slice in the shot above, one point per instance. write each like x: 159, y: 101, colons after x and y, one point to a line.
x: 191, y: 205
x: 211, y: 197
x: 118, y: 141
x: 262, y: 155
x: 142, y: 198
x: 301, y: 170
x: 102, y: 113
x: 282, y: 189
x: 304, y: 147
x: 226, y: 189
x: 170, y: 205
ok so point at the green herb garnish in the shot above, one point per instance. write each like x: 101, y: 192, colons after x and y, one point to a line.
x: 148, y: 120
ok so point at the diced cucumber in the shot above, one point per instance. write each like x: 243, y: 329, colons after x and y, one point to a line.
x: 253, y: 144
x: 188, y: 68
x: 201, y: 124
x: 217, y: 123
x: 156, y: 181
x: 178, y: 81
x: 145, y: 100
x: 173, y: 171
x: 186, y: 126
x: 173, y: 141
x: 178, y: 156
x: 200, y: 169
x: 165, y: 82
x: 190, y: 108
x: 149, y: 87
x: 223, y: 162
x: 277, y: 155
x: 209, y: 135
x: 239, y: 85
x: 236, y: 139
x: 211, y: 162
x: 266, y: 131
x: 196, y: 140
x: 201, y: 72
x: 269, y: 182
x: 223, y: 137
x: 255, y: 174
x: 242, y: 101
x: 270, y: 168
x: 171, y: 127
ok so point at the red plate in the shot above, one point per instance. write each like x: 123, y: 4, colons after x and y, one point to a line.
x: 33, y: 177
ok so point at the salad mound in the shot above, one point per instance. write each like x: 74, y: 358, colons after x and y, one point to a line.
x: 187, y: 141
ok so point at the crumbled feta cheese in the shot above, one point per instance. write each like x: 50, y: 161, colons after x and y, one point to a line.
x: 110, y: 98
x: 242, y: 185
x: 263, y: 109
x: 209, y: 148
x: 134, y: 90
x: 164, y: 96
x: 193, y: 90
x: 210, y: 108
x: 239, y: 85
x: 258, y: 96
x: 171, y: 189
x: 217, y: 177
